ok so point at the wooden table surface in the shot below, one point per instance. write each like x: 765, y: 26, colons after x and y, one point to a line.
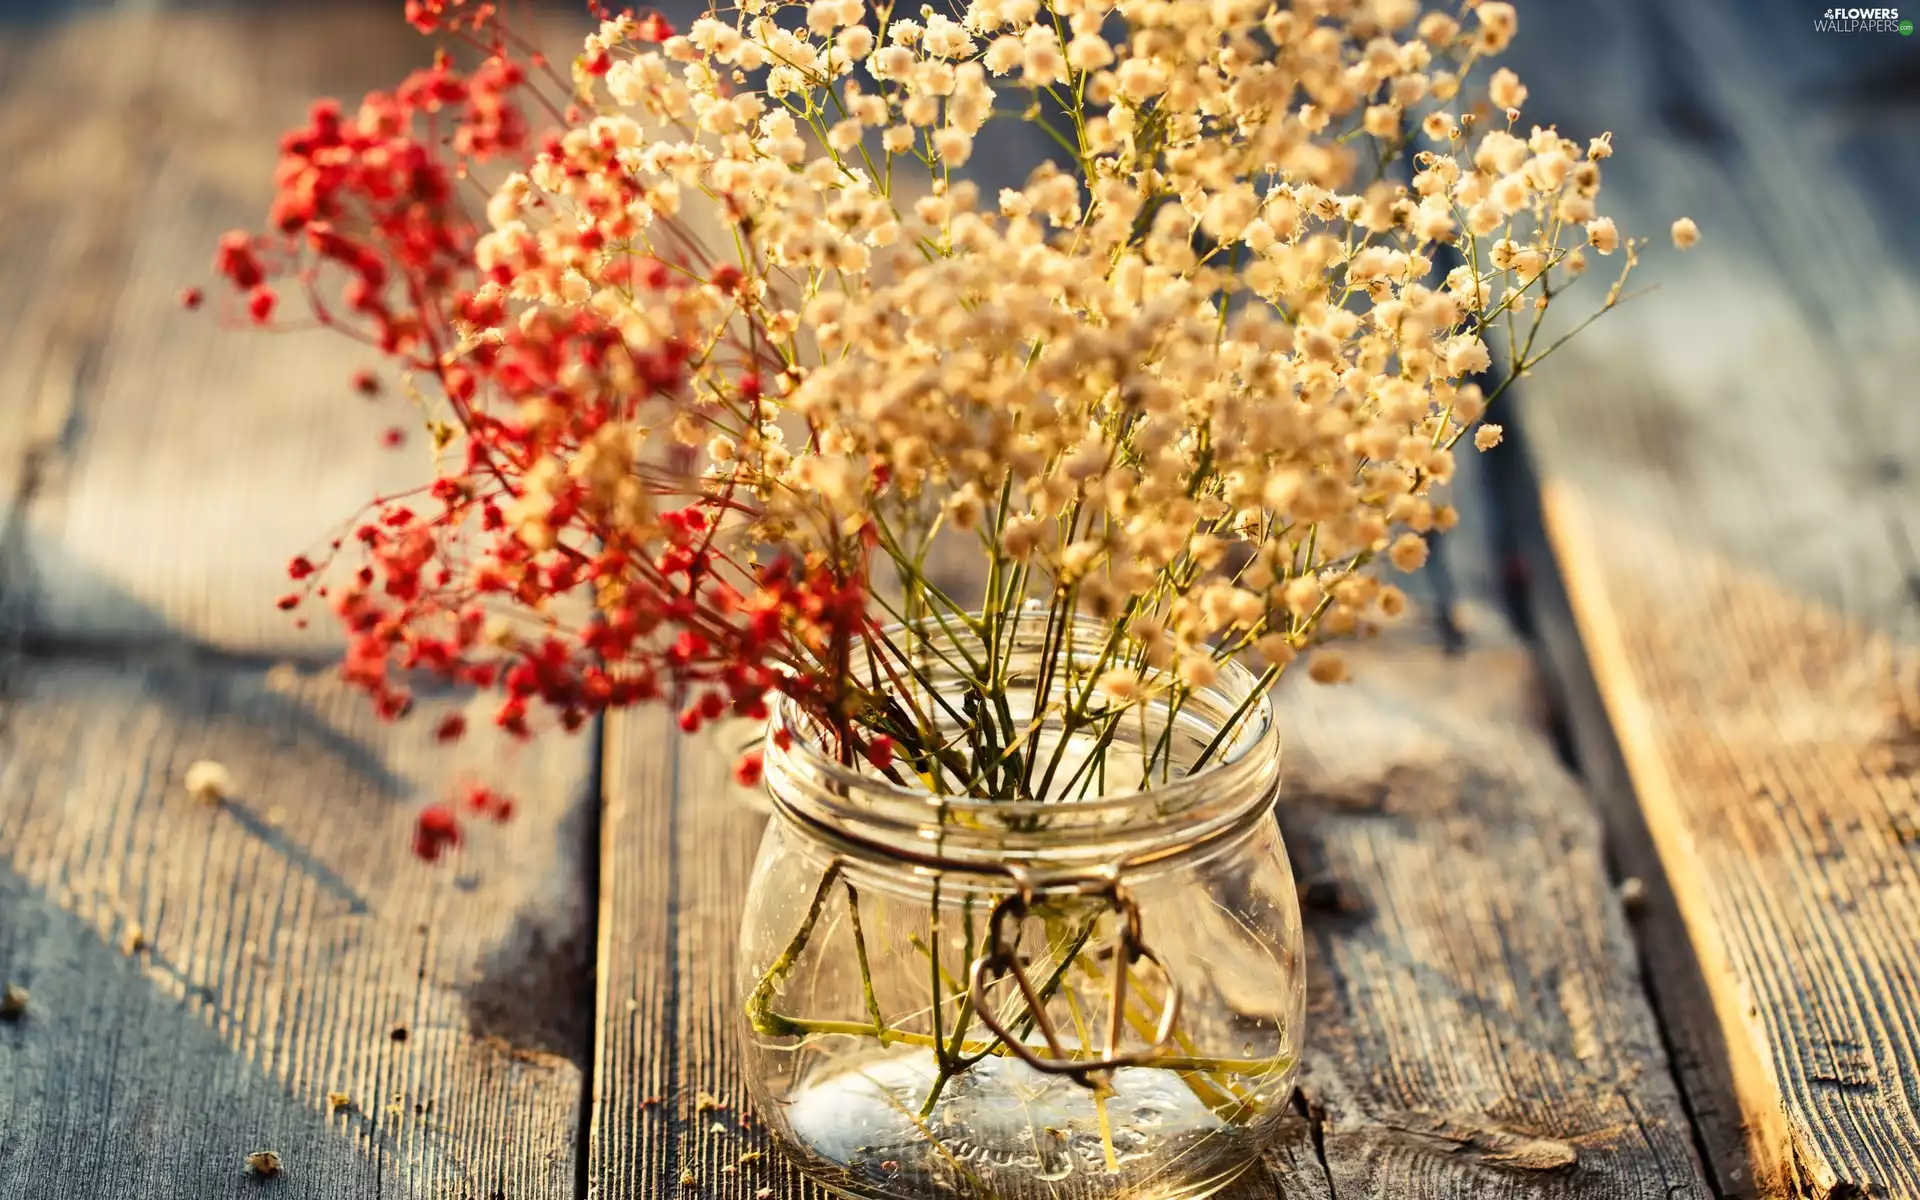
x: 1612, y: 857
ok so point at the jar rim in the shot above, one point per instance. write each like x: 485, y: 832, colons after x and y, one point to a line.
x: 1243, y: 777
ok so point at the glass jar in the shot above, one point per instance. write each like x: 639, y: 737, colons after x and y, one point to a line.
x: 949, y: 995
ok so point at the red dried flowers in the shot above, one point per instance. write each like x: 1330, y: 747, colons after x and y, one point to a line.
x: 541, y: 498
x: 436, y: 830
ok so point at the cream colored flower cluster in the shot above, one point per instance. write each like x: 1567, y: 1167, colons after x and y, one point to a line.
x: 1193, y: 380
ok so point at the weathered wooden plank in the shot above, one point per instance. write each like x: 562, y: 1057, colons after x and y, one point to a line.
x: 1476, y: 1020
x: 1696, y: 1042
x: 1477, y: 1024
x: 159, y: 469
x: 203, y: 976
x: 632, y: 1142
x: 1726, y: 475
x: 64, y: 100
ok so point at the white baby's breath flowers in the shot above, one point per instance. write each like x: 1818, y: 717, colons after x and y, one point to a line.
x: 208, y: 782
x: 1328, y: 666
x: 1199, y: 383
x: 1602, y: 235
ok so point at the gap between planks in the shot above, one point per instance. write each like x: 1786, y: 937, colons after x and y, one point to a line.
x: 1726, y: 482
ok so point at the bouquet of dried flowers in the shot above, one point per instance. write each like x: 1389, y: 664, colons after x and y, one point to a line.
x: 720, y: 352
x: 728, y: 350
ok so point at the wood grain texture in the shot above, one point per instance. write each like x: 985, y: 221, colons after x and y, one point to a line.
x: 1727, y: 476
x: 203, y: 976
x: 1696, y: 1042
x: 1476, y: 1025
x: 65, y: 102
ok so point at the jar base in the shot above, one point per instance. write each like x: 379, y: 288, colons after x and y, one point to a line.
x: 1003, y: 1130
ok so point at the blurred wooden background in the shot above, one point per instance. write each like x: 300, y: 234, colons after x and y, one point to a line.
x: 1609, y: 858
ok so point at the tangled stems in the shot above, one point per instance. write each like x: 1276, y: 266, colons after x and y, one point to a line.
x: 801, y: 1026
x: 1209, y: 1077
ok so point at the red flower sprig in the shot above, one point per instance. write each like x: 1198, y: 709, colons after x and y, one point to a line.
x: 563, y: 589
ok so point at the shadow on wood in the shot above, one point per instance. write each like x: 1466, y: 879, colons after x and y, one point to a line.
x: 293, y: 924
x: 165, y: 1109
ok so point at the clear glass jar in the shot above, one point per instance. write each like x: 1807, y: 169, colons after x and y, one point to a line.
x: 888, y: 932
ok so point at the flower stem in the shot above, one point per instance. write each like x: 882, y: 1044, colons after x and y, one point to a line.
x: 760, y: 1005
x: 950, y: 1059
x: 1101, y: 1086
x: 1217, y: 1094
x: 1232, y: 723
x: 880, y: 1029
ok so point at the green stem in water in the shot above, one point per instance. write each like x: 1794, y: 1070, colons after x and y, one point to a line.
x: 1101, y: 1087
x: 952, y: 1052
x: 1047, y: 989
x: 950, y: 1060
x: 760, y: 1012
x: 880, y: 1029
x: 1217, y: 1094
x: 934, y: 972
